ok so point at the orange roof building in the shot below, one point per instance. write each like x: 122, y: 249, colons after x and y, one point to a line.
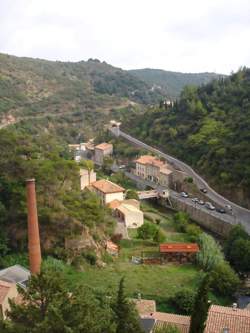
x: 179, y: 248
x: 151, y: 168
x: 107, y: 191
x: 101, y: 151
x: 226, y: 319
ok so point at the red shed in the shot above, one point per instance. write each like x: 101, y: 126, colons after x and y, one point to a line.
x: 180, y: 252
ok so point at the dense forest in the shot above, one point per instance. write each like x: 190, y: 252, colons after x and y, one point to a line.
x: 209, y: 128
x: 172, y: 83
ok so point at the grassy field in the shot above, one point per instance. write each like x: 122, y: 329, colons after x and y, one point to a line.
x: 158, y: 282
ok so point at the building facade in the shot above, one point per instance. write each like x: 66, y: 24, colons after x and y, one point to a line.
x: 107, y: 191
x: 101, y: 151
x: 152, y: 169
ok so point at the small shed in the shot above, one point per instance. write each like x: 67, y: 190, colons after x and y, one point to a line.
x: 178, y: 252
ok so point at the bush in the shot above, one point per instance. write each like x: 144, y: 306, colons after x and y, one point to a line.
x: 181, y: 221
x: 224, y: 280
x: 183, y: 301
x: 90, y: 257
x: 147, y: 231
x: 159, y: 237
x: 193, y: 232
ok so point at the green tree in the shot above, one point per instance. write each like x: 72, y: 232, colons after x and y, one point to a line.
x: 201, y: 306
x: 159, y: 236
x: 88, y: 165
x: 127, y: 318
x: 181, y: 220
x: 131, y: 194
x: 147, y: 231
x: 210, y: 253
x: 240, y: 255
x: 224, y: 280
x: 49, y: 307
x: 183, y: 301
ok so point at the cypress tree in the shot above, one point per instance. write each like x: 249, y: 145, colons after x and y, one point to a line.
x: 200, y: 309
x: 127, y: 318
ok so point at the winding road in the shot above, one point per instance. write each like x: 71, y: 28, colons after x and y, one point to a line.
x: 238, y: 214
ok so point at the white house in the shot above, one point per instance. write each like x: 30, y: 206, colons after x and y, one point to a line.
x: 107, y: 191
x: 87, y: 177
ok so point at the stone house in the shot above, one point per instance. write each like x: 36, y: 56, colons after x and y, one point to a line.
x: 128, y: 211
x: 107, y: 191
x: 87, y: 177
x: 101, y: 151
x: 150, y: 168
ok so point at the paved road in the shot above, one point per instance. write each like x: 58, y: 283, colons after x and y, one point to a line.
x: 240, y: 214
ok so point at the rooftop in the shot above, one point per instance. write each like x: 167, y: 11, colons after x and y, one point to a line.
x: 107, y: 186
x: 165, y: 319
x: 235, y: 320
x: 145, y: 306
x: 124, y: 208
x: 15, y: 274
x: 179, y: 247
x: 4, y: 289
x: 104, y: 146
x: 148, y: 159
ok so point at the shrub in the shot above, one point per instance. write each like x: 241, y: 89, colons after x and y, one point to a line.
x: 183, y: 301
x: 224, y: 280
x: 147, y: 231
x: 159, y: 236
x: 90, y: 257
x: 193, y: 232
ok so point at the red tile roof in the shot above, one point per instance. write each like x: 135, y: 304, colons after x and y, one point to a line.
x: 104, y: 146
x: 4, y: 289
x: 148, y: 159
x: 179, y: 247
x: 165, y: 319
x: 107, y: 186
x: 236, y: 320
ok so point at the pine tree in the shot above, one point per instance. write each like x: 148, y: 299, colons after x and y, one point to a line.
x: 200, y: 309
x: 126, y: 315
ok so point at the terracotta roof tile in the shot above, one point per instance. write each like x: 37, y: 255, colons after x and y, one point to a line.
x: 107, y: 186
x: 148, y: 159
x: 165, y: 319
x: 236, y: 320
x: 104, y: 146
x: 145, y: 306
x: 179, y: 247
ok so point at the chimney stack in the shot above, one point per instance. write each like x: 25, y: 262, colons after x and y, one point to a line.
x: 33, y: 229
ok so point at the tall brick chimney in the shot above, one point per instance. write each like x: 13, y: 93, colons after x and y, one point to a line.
x: 33, y: 229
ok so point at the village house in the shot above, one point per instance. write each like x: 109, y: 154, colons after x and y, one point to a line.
x: 8, y: 291
x: 220, y: 319
x: 107, y: 191
x: 128, y: 211
x: 87, y: 177
x: 151, y: 168
x: 102, y: 151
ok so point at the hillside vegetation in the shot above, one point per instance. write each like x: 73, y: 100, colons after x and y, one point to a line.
x: 90, y: 89
x: 209, y: 128
x: 172, y: 83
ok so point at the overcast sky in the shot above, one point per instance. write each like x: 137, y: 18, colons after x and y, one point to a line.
x: 177, y: 35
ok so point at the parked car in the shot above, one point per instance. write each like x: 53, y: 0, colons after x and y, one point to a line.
x: 201, y: 202
x: 195, y: 200
x: 204, y: 190
x: 209, y: 206
x: 221, y: 210
x: 184, y: 194
x: 229, y: 207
